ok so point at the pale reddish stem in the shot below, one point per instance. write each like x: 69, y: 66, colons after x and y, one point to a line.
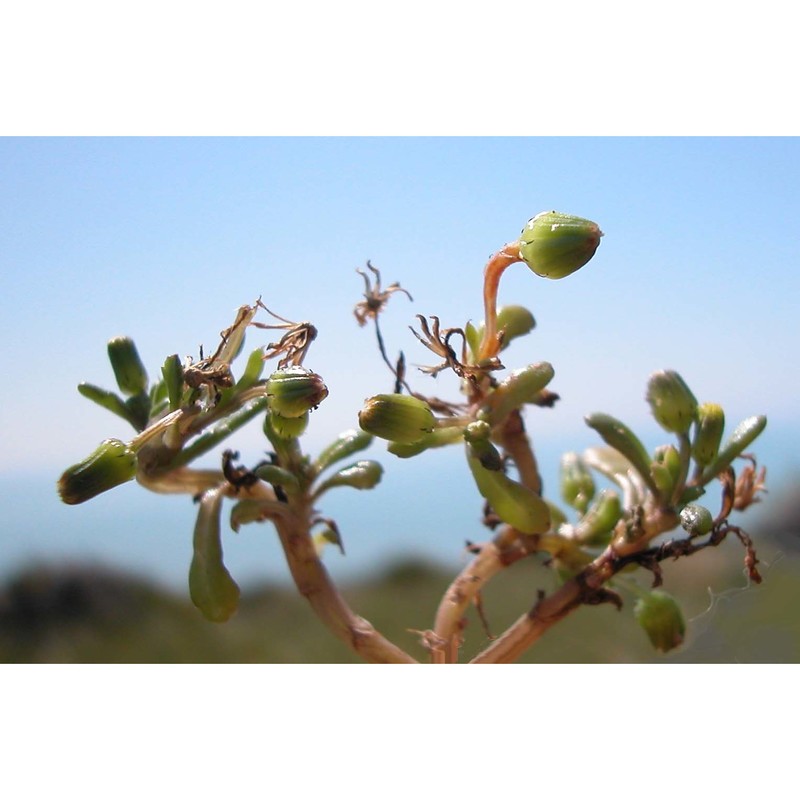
x: 495, y: 267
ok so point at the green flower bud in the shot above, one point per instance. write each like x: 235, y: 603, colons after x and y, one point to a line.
x: 515, y: 504
x: 344, y: 446
x: 439, y: 437
x: 397, y: 417
x: 520, y: 387
x: 619, y: 436
x: 361, y: 475
x: 128, y: 368
x: 112, y: 464
x: 708, y: 433
x: 294, y: 390
x: 671, y: 401
x: 662, y: 620
x: 696, y: 520
x: 555, y: 245
x: 211, y: 586
x: 598, y: 523
x: 577, y: 484
x: 286, y: 427
x: 741, y: 438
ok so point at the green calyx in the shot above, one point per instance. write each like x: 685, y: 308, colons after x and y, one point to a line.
x: 671, y: 401
x: 111, y: 464
x: 293, y: 391
x: 439, y: 437
x: 555, y: 245
x: 286, y: 427
x: 396, y: 417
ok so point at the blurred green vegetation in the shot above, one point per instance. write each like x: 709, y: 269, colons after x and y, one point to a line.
x: 86, y: 615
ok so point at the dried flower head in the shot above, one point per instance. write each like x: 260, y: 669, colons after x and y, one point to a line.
x: 375, y: 298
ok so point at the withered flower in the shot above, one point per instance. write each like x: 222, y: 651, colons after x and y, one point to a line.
x: 375, y: 298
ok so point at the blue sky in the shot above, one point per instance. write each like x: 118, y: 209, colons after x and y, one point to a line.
x: 162, y: 239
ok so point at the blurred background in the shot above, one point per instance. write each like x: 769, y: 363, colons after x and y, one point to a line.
x: 162, y: 239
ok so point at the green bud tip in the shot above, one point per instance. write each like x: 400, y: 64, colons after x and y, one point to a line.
x: 708, y: 433
x: 555, y: 245
x: 110, y: 465
x: 128, y: 369
x: 294, y: 390
x: 662, y: 620
x: 671, y: 401
x: 397, y: 417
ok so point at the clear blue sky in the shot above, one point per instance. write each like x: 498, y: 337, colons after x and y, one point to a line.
x: 162, y: 239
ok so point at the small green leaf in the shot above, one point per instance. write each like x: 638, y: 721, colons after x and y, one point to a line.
x: 618, y: 435
x: 741, y: 438
x: 128, y: 368
x: 514, y: 503
x: 211, y: 586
